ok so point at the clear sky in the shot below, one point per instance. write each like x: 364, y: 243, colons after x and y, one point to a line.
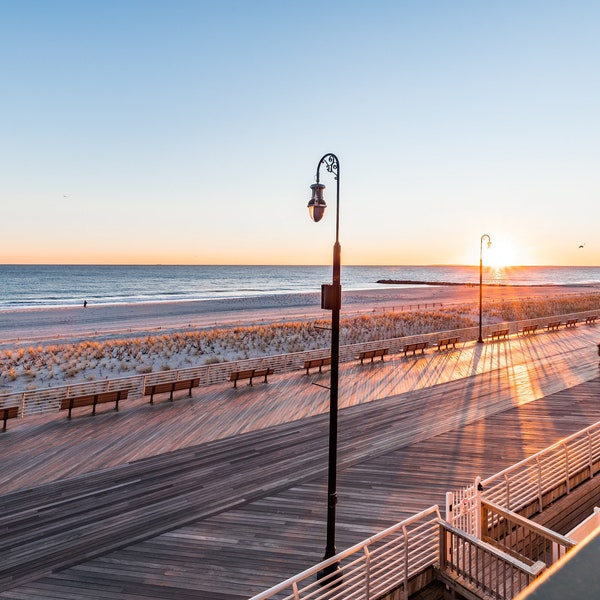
x: 189, y: 131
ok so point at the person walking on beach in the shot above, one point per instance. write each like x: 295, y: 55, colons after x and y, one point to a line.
x: 85, y: 304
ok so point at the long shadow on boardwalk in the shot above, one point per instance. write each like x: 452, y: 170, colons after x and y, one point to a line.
x: 228, y: 518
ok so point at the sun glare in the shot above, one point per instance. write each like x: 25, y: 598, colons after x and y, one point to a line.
x: 500, y: 256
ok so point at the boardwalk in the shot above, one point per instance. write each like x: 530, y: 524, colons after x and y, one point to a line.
x: 222, y: 495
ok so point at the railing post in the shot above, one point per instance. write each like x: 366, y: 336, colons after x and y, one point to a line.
x: 450, y: 507
x: 478, y: 519
x: 540, y: 492
x: 507, y: 492
x: 405, y: 585
x: 567, y: 478
x: 590, y: 454
x: 442, y: 547
x: 367, y: 573
x: 23, y: 396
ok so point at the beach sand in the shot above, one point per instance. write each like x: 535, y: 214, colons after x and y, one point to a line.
x: 49, y: 347
x: 18, y: 327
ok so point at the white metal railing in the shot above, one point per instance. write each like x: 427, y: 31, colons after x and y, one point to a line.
x: 46, y: 400
x: 468, y: 561
x: 371, y: 568
x: 514, y: 533
x: 462, y: 508
x: 367, y: 573
x: 529, y: 481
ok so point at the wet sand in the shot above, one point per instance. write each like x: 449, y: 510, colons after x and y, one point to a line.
x: 45, y: 324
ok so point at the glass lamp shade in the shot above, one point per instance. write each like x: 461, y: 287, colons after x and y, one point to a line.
x: 317, y: 205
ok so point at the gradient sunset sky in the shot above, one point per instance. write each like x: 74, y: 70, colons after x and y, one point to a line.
x: 189, y: 131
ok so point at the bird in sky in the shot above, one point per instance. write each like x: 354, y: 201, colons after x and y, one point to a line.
x: 582, y: 246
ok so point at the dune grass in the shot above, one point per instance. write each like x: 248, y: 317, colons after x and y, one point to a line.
x: 58, y: 364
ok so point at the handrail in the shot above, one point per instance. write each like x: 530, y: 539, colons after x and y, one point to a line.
x: 515, y: 533
x: 47, y: 400
x: 482, y: 566
x: 364, y: 559
x: 530, y: 479
x: 529, y: 482
x: 372, y: 567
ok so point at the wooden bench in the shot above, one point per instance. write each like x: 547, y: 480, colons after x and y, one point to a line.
x: 372, y: 354
x: 445, y: 343
x: 316, y: 362
x: 414, y: 347
x: 8, y: 412
x: 93, y: 400
x: 499, y: 334
x: 571, y: 322
x: 529, y: 329
x: 553, y: 325
x: 171, y: 386
x: 250, y: 374
x: 591, y: 320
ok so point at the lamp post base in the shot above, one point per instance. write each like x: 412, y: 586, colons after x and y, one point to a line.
x: 330, y: 576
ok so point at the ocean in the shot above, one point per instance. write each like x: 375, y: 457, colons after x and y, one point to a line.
x: 36, y: 286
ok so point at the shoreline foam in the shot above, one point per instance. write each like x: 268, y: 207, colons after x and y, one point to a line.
x: 51, y: 323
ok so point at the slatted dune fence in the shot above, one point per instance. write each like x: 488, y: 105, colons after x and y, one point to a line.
x: 39, y: 401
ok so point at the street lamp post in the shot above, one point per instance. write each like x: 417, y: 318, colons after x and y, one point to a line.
x: 331, y: 299
x: 489, y: 243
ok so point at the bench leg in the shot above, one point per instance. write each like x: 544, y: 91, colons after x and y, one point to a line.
x: 94, y: 405
x: 5, y: 419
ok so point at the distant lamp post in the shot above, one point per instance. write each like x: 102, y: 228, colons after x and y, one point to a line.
x: 331, y: 299
x: 489, y: 243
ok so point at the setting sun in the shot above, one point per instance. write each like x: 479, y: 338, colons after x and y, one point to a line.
x: 500, y: 255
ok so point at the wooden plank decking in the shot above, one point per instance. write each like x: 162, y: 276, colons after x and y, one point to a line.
x: 222, y: 495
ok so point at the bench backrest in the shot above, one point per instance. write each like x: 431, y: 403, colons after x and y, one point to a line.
x: 9, y: 412
x: 317, y: 362
x: 90, y: 399
x: 242, y: 374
